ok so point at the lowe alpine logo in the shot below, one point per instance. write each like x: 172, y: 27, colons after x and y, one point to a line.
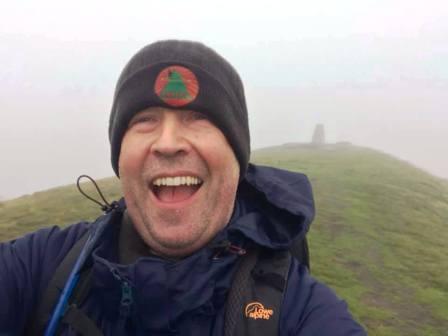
x: 176, y: 85
x: 256, y: 310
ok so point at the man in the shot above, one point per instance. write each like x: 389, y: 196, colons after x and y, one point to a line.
x: 164, y: 260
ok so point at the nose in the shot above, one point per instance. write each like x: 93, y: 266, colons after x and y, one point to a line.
x: 171, y: 139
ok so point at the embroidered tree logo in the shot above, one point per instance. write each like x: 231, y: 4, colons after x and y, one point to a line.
x: 176, y: 85
x: 175, y: 88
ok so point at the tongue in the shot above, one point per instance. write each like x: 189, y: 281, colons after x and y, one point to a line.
x: 175, y: 194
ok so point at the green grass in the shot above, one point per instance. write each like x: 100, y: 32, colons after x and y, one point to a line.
x: 59, y: 206
x: 379, y: 237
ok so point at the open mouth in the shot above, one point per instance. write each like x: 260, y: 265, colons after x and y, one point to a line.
x: 175, y: 188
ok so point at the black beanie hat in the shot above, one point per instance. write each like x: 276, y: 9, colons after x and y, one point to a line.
x: 184, y: 75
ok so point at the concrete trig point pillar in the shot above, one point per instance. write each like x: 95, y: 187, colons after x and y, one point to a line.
x: 318, y: 135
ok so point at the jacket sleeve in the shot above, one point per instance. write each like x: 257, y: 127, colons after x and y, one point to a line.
x: 26, y: 266
x: 312, y: 309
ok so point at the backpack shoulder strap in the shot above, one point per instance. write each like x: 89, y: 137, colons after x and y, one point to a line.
x: 41, y: 316
x: 255, y: 297
x: 74, y: 316
x: 80, y: 322
x: 299, y: 250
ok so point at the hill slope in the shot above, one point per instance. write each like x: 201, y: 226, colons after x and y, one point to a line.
x: 379, y: 238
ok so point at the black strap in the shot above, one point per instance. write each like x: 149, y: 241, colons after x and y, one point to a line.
x: 256, y: 295
x: 299, y: 249
x: 80, y: 322
x: 76, y: 318
x: 83, y: 287
x: 38, y: 321
x: 240, y: 284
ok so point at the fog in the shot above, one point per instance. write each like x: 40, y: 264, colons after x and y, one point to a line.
x: 375, y: 73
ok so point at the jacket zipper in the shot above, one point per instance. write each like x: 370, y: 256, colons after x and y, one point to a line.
x: 126, y: 300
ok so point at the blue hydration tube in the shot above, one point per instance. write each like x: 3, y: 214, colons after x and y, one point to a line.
x: 73, y: 278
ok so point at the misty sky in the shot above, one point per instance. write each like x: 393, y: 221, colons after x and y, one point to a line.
x: 374, y: 72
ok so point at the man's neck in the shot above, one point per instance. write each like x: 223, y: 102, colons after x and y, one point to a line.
x: 130, y: 245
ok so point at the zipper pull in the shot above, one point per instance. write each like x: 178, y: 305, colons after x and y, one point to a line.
x: 126, y: 299
x: 227, y: 247
x: 236, y: 250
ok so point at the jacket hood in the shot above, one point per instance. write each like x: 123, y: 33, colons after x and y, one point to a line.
x: 274, y: 207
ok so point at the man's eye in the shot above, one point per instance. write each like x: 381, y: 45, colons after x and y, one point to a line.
x: 197, y: 116
x: 146, y: 119
x: 143, y: 119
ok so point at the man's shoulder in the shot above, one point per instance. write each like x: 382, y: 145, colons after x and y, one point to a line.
x: 39, y: 253
x: 50, y: 239
x: 312, y: 308
x: 27, y: 264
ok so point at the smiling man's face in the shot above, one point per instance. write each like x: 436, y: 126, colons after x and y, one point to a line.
x: 179, y: 177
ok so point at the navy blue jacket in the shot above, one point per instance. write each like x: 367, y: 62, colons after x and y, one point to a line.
x: 184, y: 297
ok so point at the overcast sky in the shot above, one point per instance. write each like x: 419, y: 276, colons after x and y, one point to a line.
x: 374, y: 72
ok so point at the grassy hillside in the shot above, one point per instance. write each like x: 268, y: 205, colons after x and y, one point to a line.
x: 379, y: 238
x: 59, y: 206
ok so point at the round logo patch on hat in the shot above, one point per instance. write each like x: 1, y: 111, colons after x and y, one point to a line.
x: 176, y: 85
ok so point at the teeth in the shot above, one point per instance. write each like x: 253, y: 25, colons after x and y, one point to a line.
x: 176, y: 181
